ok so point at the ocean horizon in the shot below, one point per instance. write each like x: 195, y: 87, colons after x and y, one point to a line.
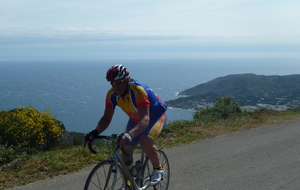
x: 75, y: 90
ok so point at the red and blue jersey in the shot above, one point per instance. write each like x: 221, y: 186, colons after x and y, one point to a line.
x: 139, y: 95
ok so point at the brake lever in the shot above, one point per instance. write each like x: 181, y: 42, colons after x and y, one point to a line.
x: 122, y: 148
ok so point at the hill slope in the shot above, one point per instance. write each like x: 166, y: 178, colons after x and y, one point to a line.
x: 247, y: 89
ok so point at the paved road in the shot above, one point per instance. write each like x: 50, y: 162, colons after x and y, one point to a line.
x: 262, y: 158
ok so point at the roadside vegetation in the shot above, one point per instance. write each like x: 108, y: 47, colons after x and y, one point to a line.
x: 22, y: 161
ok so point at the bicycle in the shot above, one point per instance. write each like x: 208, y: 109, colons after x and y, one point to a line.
x: 112, y: 174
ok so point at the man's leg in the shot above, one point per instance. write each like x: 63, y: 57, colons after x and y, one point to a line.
x: 128, y: 159
x: 150, y: 149
x: 147, y: 143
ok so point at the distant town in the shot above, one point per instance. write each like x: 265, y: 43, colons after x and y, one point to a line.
x: 249, y: 90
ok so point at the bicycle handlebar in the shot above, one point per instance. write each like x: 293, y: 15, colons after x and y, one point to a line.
x: 111, y: 137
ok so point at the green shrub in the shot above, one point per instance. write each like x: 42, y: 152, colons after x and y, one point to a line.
x: 28, y: 126
x: 77, y: 138
x: 176, y: 126
x: 223, y: 108
x: 18, y: 154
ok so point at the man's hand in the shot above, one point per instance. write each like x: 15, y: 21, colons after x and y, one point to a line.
x: 125, y: 139
x: 91, y: 136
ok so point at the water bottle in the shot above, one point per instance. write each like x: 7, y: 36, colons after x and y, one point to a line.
x: 138, y: 165
x: 131, y: 168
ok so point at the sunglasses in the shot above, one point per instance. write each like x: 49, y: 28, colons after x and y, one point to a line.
x: 117, y: 82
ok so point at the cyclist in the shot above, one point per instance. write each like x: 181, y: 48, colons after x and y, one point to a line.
x: 147, y: 117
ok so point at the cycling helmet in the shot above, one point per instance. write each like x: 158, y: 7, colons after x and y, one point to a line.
x: 117, y: 72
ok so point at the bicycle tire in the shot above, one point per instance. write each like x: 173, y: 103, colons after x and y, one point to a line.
x: 148, y: 169
x: 102, y: 176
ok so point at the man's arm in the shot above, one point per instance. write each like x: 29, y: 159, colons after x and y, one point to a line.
x: 105, y: 120
x: 139, y: 128
x: 143, y: 122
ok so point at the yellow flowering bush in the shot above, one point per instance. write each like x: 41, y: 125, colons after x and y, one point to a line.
x: 28, y: 126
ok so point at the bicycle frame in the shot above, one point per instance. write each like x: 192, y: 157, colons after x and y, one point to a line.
x: 117, y: 159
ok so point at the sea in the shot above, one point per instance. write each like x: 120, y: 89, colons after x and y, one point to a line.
x: 75, y: 90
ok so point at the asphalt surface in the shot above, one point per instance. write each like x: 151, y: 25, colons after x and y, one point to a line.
x: 262, y: 158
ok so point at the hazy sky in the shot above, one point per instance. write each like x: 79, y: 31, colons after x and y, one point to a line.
x: 98, y: 29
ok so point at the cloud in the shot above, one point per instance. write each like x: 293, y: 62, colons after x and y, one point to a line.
x: 85, y: 44
x: 145, y: 28
x: 193, y: 17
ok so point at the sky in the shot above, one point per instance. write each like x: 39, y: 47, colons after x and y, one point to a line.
x: 133, y: 29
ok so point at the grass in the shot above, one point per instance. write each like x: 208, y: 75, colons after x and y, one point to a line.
x: 182, y: 132
x: 72, y: 159
x: 47, y: 165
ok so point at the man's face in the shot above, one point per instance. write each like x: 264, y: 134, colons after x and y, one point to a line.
x: 120, y: 86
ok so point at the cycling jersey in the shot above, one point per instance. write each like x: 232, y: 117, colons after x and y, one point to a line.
x: 139, y: 95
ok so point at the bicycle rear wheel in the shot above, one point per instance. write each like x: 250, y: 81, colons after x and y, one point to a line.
x: 102, y: 177
x: 148, y: 169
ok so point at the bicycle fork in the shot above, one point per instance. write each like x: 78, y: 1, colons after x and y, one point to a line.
x: 113, y: 170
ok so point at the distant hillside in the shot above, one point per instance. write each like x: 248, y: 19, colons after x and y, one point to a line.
x: 246, y: 89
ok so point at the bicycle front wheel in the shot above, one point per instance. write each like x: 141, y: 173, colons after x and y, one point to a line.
x: 105, y: 176
x: 148, y: 169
